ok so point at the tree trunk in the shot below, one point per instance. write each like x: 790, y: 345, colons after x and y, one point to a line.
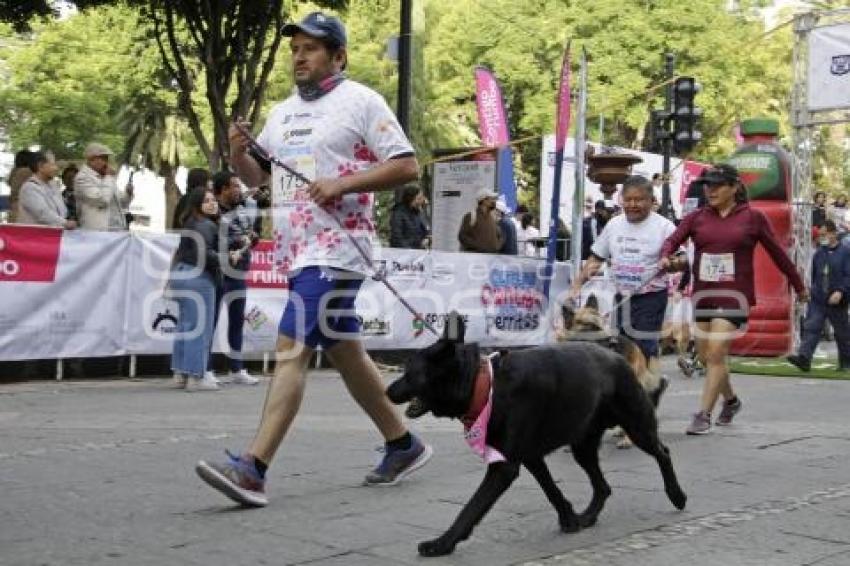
x: 172, y: 193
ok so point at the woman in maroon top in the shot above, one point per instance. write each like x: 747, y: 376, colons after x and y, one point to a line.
x: 725, y: 233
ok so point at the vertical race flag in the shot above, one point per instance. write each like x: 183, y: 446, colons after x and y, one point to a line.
x: 493, y: 127
x: 562, y: 126
x: 580, y: 142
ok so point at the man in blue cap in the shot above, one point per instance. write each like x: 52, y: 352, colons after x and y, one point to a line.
x: 342, y: 136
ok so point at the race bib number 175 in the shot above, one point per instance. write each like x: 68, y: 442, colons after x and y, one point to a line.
x: 288, y: 187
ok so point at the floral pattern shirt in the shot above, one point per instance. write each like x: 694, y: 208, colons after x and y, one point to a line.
x: 347, y: 130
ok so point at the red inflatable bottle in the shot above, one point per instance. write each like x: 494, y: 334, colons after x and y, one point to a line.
x: 765, y: 170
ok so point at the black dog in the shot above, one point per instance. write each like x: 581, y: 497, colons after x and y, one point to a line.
x: 542, y: 398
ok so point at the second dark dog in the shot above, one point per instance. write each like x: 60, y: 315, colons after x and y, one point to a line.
x: 539, y: 400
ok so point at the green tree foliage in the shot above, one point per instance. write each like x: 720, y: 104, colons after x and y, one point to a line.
x: 744, y: 72
x: 70, y: 81
x: 228, y: 46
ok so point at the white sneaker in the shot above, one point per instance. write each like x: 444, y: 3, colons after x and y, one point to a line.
x: 243, y: 377
x: 179, y: 380
x: 209, y: 375
x: 206, y: 383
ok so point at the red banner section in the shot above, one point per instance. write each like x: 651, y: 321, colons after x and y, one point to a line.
x: 262, y: 273
x: 29, y: 253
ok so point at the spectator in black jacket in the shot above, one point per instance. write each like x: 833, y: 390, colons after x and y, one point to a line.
x: 592, y: 226
x: 408, y: 227
x: 237, y: 226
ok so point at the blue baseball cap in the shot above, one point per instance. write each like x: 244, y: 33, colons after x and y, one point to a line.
x: 320, y: 26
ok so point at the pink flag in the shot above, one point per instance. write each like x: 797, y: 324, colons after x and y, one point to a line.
x: 492, y: 119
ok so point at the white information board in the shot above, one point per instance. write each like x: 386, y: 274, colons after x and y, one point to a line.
x: 455, y: 186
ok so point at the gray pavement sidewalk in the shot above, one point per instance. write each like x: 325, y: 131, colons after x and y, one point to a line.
x: 101, y: 472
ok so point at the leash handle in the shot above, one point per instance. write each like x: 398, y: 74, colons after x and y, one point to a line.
x: 378, y: 276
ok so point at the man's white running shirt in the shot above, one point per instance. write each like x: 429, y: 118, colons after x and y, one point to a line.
x: 634, y: 251
x: 347, y: 130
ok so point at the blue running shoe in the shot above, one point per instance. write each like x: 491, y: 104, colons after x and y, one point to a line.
x: 398, y: 464
x: 237, y: 478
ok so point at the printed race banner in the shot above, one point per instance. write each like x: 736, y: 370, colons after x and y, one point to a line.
x: 108, y: 297
x: 66, y: 294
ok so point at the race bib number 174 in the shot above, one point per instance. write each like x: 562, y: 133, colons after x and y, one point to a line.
x: 717, y: 267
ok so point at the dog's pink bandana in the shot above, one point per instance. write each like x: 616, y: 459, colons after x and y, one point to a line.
x: 475, y: 432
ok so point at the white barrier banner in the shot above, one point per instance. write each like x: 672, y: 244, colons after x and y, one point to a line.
x: 62, y: 294
x: 829, y: 68
x: 80, y: 294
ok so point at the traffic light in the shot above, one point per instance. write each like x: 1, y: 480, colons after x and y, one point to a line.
x: 659, y: 130
x: 686, y: 115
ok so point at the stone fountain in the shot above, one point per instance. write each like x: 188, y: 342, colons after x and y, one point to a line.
x: 608, y: 168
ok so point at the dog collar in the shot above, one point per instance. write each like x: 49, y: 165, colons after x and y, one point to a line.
x: 480, y: 392
x: 477, y: 419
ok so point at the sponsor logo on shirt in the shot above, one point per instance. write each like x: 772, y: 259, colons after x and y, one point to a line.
x: 294, y: 151
x: 290, y: 135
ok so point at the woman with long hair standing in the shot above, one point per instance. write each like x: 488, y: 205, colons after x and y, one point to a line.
x: 725, y: 233
x: 195, y: 275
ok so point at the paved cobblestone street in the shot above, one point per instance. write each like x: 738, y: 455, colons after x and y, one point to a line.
x: 101, y: 472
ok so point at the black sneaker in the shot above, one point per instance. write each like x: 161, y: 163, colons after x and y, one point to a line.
x: 799, y: 362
